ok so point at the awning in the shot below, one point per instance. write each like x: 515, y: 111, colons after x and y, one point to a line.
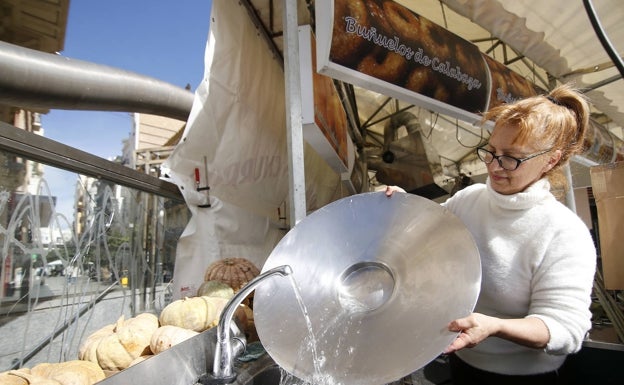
x: 546, y: 42
x: 558, y: 36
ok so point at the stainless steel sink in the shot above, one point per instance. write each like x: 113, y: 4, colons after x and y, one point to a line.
x: 183, y: 364
x: 264, y: 371
x: 269, y: 375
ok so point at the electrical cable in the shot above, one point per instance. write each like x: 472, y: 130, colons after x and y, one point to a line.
x: 602, y: 36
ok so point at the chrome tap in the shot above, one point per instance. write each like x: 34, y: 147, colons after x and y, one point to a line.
x: 222, y: 372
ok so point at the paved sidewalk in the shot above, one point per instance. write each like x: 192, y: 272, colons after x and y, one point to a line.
x: 29, y: 327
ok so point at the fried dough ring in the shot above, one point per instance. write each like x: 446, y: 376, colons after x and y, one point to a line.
x: 385, y: 65
x: 419, y: 80
x: 348, y: 48
x: 379, y: 18
x: 403, y: 21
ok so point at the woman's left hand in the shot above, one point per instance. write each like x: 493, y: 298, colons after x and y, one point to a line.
x: 473, y: 329
x: 527, y: 331
x: 392, y: 189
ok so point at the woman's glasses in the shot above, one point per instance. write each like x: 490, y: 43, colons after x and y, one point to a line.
x: 506, y: 162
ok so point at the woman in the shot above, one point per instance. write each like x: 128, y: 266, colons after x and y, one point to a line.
x: 537, y: 256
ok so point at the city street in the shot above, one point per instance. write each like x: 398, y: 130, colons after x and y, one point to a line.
x: 66, y: 309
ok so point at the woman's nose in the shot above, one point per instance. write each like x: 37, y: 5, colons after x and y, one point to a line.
x: 495, y: 165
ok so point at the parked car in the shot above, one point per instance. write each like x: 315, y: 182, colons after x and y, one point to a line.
x: 55, y: 268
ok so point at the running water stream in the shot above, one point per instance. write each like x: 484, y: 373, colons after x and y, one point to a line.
x: 319, y: 378
x: 360, y: 289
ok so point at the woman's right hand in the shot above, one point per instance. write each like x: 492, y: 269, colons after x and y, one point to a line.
x: 472, y: 330
x: 391, y: 189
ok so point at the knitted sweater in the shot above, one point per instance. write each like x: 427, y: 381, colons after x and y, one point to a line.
x: 538, y: 260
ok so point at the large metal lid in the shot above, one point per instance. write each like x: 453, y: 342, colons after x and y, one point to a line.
x: 380, y: 278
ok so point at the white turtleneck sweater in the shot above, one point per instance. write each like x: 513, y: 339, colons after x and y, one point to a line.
x: 538, y: 260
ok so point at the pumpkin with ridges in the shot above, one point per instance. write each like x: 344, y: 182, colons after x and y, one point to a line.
x: 235, y: 272
x: 74, y: 372
x: 140, y: 359
x: 167, y: 336
x: 8, y: 378
x: 32, y: 379
x: 194, y: 313
x: 114, y: 348
x: 215, y: 289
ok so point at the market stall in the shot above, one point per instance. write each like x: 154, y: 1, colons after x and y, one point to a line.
x: 376, y: 108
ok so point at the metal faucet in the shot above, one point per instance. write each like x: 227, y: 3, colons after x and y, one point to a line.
x: 222, y: 372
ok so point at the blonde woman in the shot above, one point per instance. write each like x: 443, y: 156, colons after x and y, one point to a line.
x: 538, y: 257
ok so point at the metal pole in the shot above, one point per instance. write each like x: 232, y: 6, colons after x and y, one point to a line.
x: 602, y: 36
x: 41, y: 149
x: 570, y: 200
x: 294, y: 124
x: 34, y: 79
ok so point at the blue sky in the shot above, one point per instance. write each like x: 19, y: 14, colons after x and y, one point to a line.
x: 162, y: 39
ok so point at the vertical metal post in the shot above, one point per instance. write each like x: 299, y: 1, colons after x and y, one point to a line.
x: 569, y: 199
x: 294, y: 125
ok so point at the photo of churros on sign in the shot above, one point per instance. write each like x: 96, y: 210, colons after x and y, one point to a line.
x: 506, y: 85
x: 385, y: 40
x: 329, y: 115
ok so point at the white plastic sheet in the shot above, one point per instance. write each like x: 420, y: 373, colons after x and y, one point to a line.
x: 238, y: 124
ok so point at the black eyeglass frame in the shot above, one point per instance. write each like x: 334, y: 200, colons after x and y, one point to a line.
x: 519, y: 161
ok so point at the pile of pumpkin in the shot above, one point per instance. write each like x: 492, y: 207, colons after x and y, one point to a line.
x: 127, y: 342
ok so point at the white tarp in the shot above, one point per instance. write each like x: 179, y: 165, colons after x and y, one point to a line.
x: 245, y: 149
x: 238, y: 125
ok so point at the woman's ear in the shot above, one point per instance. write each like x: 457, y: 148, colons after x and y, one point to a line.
x: 553, y: 159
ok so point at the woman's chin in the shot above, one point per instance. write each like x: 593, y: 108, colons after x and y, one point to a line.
x: 500, y: 184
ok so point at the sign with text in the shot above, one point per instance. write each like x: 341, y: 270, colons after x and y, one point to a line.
x: 324, y: 117
x: 506, y: 86
x: 385, y: 47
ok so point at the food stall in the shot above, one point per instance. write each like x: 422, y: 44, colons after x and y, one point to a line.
x: 250, y: 170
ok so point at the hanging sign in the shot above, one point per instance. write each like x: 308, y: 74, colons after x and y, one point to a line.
x: 506, y: 86
x: 385, y: 47
x: 324, y: 117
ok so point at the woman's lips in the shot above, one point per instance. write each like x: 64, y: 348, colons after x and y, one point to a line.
x: 497, y: 178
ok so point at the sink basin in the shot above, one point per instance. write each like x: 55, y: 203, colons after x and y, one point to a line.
x: 263, y: 371
x: 270, y: 375
x: 184, y: 363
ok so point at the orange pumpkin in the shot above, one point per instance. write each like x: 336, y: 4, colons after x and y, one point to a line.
x: 235, y: 272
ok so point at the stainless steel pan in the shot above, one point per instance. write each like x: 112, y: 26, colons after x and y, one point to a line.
x: 380, y: 279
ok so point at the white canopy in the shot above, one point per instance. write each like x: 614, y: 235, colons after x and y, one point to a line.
x: 544, y: 41
x: 558, y: 36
